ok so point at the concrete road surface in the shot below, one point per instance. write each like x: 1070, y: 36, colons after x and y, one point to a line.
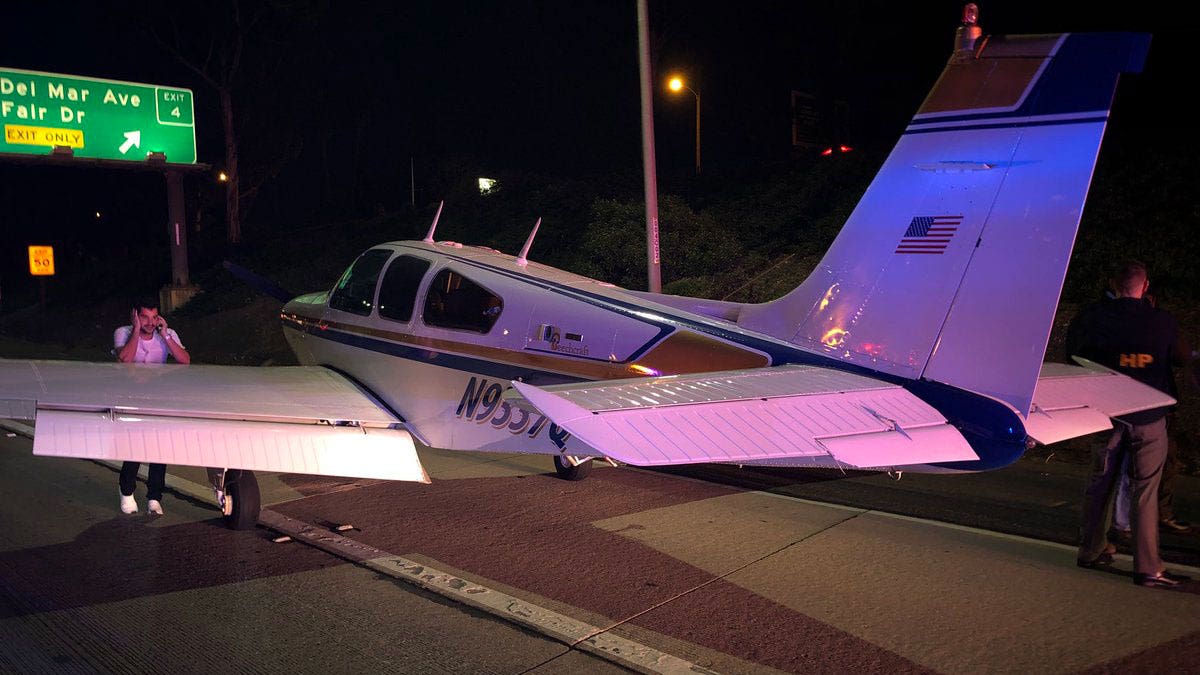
x: 711, y: 572
x: 84, y: 588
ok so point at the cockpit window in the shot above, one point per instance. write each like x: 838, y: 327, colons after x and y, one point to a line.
x: 355, y: 291
x: 398, y: 292
x: 456, y: 302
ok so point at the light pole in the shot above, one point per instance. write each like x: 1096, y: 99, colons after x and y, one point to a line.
x: 676, y: 84
x: 649, y: 173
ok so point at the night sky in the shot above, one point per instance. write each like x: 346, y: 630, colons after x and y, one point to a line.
x: 338, y: 97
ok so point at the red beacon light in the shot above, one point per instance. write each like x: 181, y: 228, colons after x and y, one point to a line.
x: 967, y: 34
x: 970, y: 14
x: 845, y: 148
x: 827, y: 152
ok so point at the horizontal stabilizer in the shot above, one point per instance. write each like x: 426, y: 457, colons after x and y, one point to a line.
x: 752, y: 415
x: 1072, y: 401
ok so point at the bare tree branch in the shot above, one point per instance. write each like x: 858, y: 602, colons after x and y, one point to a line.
x: 170, y: 49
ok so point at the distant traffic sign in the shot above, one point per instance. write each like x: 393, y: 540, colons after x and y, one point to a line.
x: 104, y: 119
x: 41, y: 261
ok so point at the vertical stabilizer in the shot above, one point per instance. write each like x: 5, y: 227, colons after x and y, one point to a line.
x: 951, y: 266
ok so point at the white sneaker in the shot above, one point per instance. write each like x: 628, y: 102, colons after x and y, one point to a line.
x: 154, y: 507
x: 128, y: 504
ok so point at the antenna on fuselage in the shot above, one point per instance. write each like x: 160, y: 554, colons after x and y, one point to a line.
x: 429, y: 236
x: 522, y: 259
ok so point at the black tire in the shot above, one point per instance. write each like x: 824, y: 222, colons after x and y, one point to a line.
x: 567, y: 472
x: 241, y: 487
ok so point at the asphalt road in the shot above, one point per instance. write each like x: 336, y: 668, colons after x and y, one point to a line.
x: 731, y: 570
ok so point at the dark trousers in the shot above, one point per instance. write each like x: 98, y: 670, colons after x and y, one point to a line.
x: 154, y: 481
x: 1166, y: 489
x: 1146, y: 445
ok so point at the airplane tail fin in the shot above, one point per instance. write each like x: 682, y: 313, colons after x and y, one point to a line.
x: 951, y: 266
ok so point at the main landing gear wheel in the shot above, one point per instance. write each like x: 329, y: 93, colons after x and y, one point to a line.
x: 565, y: 471
x: 242, y: 500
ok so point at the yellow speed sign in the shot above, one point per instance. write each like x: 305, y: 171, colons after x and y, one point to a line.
x: 41, y: 261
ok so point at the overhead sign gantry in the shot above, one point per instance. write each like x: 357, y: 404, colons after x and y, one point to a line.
x: 94, y: 118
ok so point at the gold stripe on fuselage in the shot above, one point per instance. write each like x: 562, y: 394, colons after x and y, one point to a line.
x: 680, y: 352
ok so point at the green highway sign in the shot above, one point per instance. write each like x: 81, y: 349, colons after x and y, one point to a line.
x: 103, y: 119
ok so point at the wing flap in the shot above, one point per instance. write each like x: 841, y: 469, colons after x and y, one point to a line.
x: 747, y: 416
x: 1071, y: 401
x: 386, y: 454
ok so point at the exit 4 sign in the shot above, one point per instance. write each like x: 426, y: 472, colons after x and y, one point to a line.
x: 103, y: 119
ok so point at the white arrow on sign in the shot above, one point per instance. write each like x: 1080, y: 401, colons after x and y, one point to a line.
x: 133, y: 139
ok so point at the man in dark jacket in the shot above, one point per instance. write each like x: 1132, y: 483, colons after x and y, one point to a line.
x: 1134, y: 338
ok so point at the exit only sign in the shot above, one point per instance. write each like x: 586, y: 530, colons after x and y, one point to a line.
x: 103, y: 119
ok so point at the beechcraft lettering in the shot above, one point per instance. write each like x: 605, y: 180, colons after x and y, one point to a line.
x: 877, y: 361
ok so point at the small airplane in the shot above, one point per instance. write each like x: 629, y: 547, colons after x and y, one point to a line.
x: 917, y: 344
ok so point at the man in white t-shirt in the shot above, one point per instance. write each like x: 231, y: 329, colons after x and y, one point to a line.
x: 147, y: 339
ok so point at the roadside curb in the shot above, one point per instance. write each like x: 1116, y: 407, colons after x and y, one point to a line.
x: 572, y: 632
x: 17, y: 428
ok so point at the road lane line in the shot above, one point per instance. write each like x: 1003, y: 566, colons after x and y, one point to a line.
x: 17, y: 428
x: 572, y: 632
x: 725, y: 575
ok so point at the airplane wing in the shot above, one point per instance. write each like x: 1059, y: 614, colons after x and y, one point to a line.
x: 289, y: 419
x: 763, y: 414
x: 1072, y: 401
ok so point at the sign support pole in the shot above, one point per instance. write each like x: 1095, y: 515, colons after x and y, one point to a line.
x: 180, y: 290
x: 177, y: 229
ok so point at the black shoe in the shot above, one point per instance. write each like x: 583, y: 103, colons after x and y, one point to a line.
x: 1175, y: 524
x: 1163, y: 579
x: 1103, y: 560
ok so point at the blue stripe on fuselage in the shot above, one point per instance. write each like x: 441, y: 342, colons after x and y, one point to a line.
x: 666, y: 323
x: 469, y: 364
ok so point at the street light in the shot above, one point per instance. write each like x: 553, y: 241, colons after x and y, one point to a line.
x: 676, y: 84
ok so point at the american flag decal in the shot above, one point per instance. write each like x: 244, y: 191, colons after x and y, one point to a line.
x: 929, y: 234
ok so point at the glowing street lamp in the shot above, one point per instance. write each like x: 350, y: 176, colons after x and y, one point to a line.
x: 676, y: 84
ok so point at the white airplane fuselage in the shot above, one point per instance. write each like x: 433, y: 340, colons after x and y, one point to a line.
x: 554, y: 327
